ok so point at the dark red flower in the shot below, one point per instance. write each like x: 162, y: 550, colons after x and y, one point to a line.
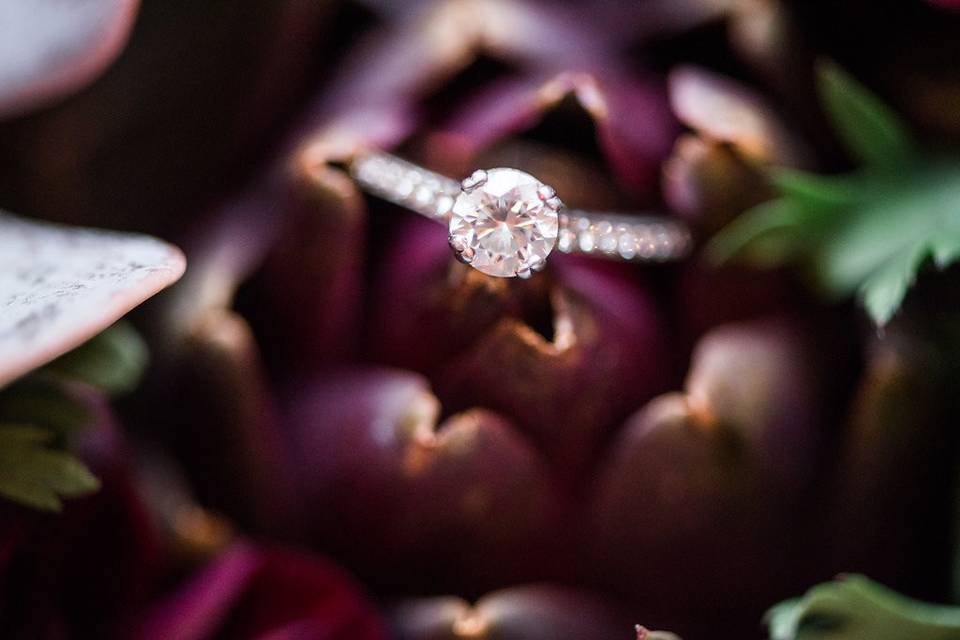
x: 529, y: 612
x: 259, y: 592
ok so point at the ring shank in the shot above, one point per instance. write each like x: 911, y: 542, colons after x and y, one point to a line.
x: 601, y: 234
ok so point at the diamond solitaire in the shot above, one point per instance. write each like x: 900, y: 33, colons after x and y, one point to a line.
x: 504, y: 222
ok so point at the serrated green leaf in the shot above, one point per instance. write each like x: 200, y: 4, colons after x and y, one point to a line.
x: 856, y: 608
x: 113, y: 360
x: 868, y: 233
x: 945, y: 248
x: 869, y: 128
x: 35, y: 475
x: 883, y: 292
x: 783, y: 619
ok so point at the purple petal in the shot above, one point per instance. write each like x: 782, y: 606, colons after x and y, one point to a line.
x: 759, y: 379
x: 709, y: 184
x: 630, y: 112
x: 707, y: 297
x: 723, y: 110
x: 531, y: 612
x: 198, y: 609
x: 704, y: 488
x: 427, y: 309
x: 405, y: 497
x: 470, y: 333
x: 645, y: 634
x: 607, y: 355
x: 892, y: 500
x: 225, y: 428
x: 304, y: 301
x: 253, y: 592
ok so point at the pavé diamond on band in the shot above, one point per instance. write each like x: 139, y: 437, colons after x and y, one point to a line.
x: 506, y: 223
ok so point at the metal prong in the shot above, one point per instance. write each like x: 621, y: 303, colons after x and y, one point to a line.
x: 461, y: 251
x: 476, y: 179
x: 537, y: 263
x: 545, y: 192
x: 524, y: 272
x: 554, y: 203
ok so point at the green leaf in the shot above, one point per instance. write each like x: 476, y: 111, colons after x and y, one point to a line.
x: 35, y: 475
x: 868, y: 127
x: 813, y: 190
x: 883, y: 291
x: 868, y: 233
x: 42, y: 401
x: 856, y: 608
x: 113, y: 360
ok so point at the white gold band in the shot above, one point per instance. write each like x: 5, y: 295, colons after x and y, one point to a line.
x: 599, y: 234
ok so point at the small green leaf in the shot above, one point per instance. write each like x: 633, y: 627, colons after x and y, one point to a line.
x: 783, y: 619
x: 855, y: 608
x: 883, y: 292
x: 113, y: 360
x: 868, y: 233
x: 945, y: 248
x: 868, y: 127
x: 41, y: 400
x: 35, y: 475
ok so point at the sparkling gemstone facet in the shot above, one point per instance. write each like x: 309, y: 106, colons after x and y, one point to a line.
x: 504, y: 223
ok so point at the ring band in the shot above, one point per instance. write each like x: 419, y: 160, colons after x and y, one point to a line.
x: 505, y: 223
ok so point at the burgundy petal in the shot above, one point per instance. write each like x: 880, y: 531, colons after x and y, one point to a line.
x: 760, y: 379
x: 474, y: 336
x: 602, y: 355
x: 946, y: 4
x: 606, y: 356
x: 198, y: 609
x: 633, y: 124
x: 706, y: 297
x: 304, y: 300
x: 52, y: 49
x: 530, y: 612
x: 645, y: 634
x: 427, y: 308
x: 225, y: 428
x: 704, y: 488
x: 392, y: 69
x: 721, y: 109
x: 410, y: 501
x: 709, y: 184
x: 767, y: 36
x: 255, y: 592
x: 892, y: 500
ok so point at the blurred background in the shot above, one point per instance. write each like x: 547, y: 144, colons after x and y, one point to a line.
x: 341, y: 433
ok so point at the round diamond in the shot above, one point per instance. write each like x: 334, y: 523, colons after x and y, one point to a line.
x: 502, y: 221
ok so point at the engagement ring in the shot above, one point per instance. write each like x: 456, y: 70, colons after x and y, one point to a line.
x: 505, y: 222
